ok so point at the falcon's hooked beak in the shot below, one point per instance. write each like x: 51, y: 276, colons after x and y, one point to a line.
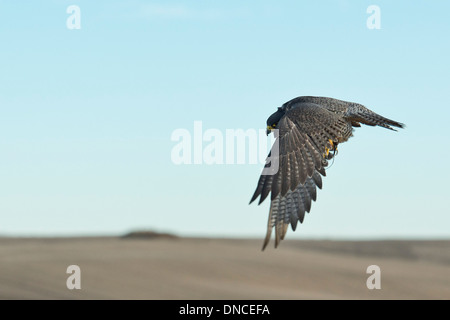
x: 269, y: 130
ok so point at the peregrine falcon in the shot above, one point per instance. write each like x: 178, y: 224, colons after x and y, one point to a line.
x: 308, y: 132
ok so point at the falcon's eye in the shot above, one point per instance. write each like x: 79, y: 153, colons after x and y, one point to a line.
x: 274, y: 125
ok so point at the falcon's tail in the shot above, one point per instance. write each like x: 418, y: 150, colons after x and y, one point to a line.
x: 357, y: 113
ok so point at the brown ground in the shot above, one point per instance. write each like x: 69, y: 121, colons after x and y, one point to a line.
x: 180, y: 268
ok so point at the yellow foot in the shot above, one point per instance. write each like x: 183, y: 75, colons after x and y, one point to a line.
x: 327, y: 150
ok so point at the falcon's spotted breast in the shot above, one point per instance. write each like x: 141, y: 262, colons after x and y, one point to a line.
x: 309, y: 132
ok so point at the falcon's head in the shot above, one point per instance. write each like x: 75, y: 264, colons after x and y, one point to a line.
x: 272, y: 121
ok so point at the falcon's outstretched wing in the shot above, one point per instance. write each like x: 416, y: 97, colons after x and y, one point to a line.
x: 291, y: 208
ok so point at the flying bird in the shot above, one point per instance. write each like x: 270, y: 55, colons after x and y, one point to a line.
x: 308, y: 131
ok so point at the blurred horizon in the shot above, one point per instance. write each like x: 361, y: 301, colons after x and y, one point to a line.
x: 175, y: 235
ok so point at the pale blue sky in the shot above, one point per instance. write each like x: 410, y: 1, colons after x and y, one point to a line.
x: 87, y: 115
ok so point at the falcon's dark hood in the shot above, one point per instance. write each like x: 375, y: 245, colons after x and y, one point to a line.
x: 272, y: 121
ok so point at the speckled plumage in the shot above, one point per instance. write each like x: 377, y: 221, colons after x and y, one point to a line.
x: 308, y: 128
